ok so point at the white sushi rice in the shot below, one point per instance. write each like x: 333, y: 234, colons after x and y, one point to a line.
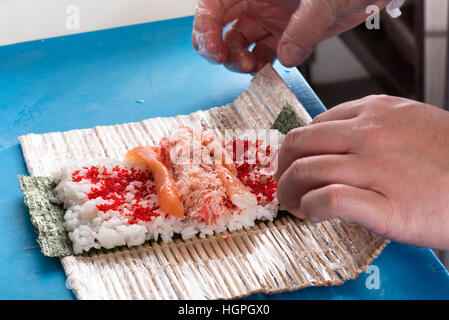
x: 88, y: 228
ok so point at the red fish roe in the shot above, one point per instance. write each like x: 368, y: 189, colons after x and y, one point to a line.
x: 128, y: 191
x: 263, y: 186
x: 249, y: 170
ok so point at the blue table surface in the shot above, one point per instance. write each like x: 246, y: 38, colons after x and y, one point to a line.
x: 98, y: 78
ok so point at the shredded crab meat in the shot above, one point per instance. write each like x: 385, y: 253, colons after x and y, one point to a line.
x: 203, y: 193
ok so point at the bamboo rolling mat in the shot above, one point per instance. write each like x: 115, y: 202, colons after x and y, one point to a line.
x: 271, y: 257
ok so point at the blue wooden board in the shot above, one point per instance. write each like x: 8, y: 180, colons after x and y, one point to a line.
x: 129, y: 74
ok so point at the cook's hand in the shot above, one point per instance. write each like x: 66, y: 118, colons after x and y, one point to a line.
x: 381, y: 162
x: 290, y: 29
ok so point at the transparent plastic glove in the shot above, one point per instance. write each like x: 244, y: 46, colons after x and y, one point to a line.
x: 288, y: 29
x: 381, y: 162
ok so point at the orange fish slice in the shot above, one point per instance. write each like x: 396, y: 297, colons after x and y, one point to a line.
x: 237, y: 192
x: 167, y: 193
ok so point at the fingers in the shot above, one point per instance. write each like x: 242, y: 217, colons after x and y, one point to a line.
x: 234, y: 12
x: 239, y: 36
x: 242, y: 33
x: 351, y: 204
x: 265, y: 51
x: 345, y: 111
x: 306, y: 29
x: 319, y: 139
x: 208, y: 28
x: 211, y: 16
x: 352, y: 109
x: 311, y: 173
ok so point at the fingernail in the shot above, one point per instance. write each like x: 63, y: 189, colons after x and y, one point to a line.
x: 214, y: 59
x: 290, y: 54
x: 246, y: 62
x: 221, y: 56
x: 297, y: 213
x: 209, y: 51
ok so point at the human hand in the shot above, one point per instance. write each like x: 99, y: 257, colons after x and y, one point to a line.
x: 288, y: 29
x: 381, y: 162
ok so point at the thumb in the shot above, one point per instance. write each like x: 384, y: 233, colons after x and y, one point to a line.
x: 305, y: 30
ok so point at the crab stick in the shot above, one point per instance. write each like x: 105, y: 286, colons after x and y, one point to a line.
x: 236, y: 191
x: 168, y: 197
